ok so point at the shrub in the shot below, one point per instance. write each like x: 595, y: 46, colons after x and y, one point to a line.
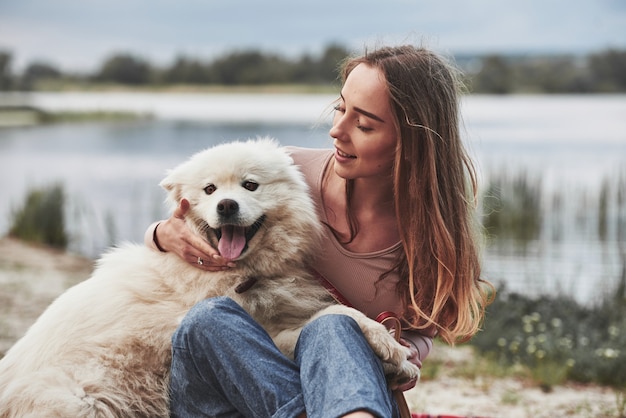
x: 557, y: 339
x: 41, y: 218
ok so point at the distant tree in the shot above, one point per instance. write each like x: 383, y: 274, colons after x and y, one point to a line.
x: 305, y: 70
x: 125, y: 69
x: 330, y: 62
x: 323, y: 70
x: 552, y: 74
x: 188, y: 71
x: 36, y: 72
x: 6, y: 79
x: 495, y: 76
x: 251, y: 67
x: 608, y: 70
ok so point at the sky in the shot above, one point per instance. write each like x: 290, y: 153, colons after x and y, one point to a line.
x: 78, y: 35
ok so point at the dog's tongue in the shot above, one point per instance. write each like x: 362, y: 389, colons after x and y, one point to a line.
x: 232, y: 242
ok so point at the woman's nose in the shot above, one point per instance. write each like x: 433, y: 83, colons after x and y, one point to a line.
x: 337, y: 130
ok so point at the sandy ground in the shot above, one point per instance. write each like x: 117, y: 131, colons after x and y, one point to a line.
x: 31, y: 277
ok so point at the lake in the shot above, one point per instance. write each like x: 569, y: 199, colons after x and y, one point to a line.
x: 572, y: 148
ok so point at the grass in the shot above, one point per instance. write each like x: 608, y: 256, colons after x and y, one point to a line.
x: 64, y: 86
x: 512, y: 207
x: 100, y: 116
x: 41, y: 219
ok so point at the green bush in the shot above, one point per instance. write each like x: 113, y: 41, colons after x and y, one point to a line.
x: 557, y: 339
x: 41, y: 218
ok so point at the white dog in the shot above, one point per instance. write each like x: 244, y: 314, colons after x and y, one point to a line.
x: 102, y: 349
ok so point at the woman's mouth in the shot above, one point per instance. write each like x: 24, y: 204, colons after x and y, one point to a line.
x: 342, y: 155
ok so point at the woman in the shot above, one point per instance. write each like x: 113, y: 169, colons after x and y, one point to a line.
x: 395, y: 195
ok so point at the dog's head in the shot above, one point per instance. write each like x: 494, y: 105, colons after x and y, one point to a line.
x: 247, y: 197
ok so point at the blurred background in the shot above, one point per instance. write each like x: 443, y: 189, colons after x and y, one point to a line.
x: 99, y: 98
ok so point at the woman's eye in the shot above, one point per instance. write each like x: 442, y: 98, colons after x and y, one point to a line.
x: 363, y: 128
x: 210, y: 189
x: 250, y: 185
x: 339, y: 108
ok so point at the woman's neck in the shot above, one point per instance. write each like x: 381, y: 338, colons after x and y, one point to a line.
x: 371, y: 204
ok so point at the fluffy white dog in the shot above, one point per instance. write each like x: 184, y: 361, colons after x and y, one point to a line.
x: 102, y: 349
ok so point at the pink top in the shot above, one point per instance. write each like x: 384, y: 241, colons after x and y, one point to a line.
x: 354, y: 275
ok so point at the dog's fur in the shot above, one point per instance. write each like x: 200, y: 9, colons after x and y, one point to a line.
x: 103, y: 347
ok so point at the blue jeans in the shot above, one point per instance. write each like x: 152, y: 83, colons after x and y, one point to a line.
x: 225, y: 365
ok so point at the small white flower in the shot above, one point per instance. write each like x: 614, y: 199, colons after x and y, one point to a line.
x: 556, y: 323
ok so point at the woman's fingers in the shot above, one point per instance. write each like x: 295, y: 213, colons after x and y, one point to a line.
x: 188, y: 245
x: 181, y: 209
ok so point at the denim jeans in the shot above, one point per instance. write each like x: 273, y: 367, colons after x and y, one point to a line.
x: 225, y: 365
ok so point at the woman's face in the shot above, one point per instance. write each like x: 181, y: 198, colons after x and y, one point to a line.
x: 363, y: 126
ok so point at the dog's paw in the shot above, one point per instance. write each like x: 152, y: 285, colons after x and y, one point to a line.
x: 394, y: 355
x: 399, y: 374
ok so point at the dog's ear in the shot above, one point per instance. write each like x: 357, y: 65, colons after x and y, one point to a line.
x: 172, y: 185
x: 168, y: 183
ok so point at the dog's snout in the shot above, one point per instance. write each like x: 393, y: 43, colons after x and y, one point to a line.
x: 227, y: 207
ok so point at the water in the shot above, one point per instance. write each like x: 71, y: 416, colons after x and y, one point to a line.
x: 110, y: 171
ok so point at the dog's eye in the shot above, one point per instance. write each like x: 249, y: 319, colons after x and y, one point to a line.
x: 250, y: 185
x: 210, y: 189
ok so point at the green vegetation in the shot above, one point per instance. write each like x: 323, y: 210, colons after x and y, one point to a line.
x: 67, y: 116
x: 27, y: 115
x: 512, y: 207
x: 248, y: 68
x: 41, y: 219
x: 600, y: 72
x: 555, y: 339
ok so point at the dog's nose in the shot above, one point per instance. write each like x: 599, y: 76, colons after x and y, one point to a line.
x: 227, y: 207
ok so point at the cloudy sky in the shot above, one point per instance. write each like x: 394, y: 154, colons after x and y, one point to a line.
x: 78, y: 35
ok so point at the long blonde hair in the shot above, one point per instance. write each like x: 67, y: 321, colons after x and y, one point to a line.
x: 434, y: 191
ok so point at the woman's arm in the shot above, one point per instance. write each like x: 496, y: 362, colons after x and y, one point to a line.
x: 422, y: 343
x: 419, y: 345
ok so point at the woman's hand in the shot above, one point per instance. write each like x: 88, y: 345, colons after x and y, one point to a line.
x: 413, y: 358
x: 173, y: 235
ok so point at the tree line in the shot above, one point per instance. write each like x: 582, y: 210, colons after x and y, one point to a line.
x: 599, y: 72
